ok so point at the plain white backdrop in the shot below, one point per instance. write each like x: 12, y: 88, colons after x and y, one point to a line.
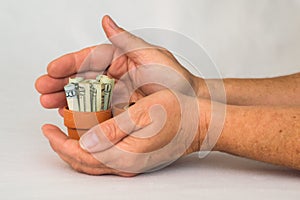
x: 245, y: 38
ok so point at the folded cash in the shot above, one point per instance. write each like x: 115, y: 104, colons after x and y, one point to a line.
x: 108, y: 85
x: 89, y: 95
x: 71, y: 95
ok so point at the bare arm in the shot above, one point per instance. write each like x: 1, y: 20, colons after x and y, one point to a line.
x: 265, y: 133
x: 284, y: 90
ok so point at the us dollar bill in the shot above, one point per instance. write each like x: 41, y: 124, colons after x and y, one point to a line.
x: 71, y: 95
x: 107, y: 89
x: 75, y: 81
x: 86, y: 86
x: 95, y: 95
x: 89, y: 95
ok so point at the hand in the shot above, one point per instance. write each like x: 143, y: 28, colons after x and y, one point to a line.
x: 151, y: 134
x: 127, y: 53
x: 132, y: 62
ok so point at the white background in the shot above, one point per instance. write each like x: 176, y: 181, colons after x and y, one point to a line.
x: 245, y: 38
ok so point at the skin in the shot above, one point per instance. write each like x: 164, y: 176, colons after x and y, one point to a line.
x: 265, y: 91
x: 272, y: 137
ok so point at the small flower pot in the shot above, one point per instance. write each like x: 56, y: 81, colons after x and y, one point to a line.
x: 80, y: 122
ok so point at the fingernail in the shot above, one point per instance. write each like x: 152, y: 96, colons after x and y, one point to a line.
x: 112, y: 24
x: 88, y: 141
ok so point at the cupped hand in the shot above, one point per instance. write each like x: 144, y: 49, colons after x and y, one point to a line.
x: 127, y: 54
x: 163, y: 124
x: 151, y: 134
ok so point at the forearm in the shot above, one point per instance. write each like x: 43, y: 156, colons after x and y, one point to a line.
x: 269, y: 134
x: 283, y: 90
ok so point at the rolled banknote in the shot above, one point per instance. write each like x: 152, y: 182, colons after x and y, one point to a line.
x: 96, y: 90
x: 71, y: 95
x: 89, y: 95
x: 107, y: 89
x: 76, y: 82
x: 85, y: 86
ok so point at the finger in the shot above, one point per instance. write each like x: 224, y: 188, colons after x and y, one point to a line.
x: 68, y: 64
x: 88, y: 74
x: 108, y: 133
x: 46, y: 84
x: 92, y: 170
x: 68, y: 148
x: 95, y: 58
x: 58, y: 141
x: 124, y: 40
x: 69, y: 151
x: 82, y: 168
x: 79, y: 167
x: 54, y: 100
x: 55, y: 136
x: 61, y: 111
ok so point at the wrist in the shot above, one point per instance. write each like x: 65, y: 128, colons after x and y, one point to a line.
x: 203, y: 114
x: 204, y: 119
x: 200, y: 87
x: 212, y: 118
x: 205, y: 105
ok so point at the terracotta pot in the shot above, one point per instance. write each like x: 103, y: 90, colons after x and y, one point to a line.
x: 80, y: 122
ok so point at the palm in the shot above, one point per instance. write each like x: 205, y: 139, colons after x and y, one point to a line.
x: 118, y: 68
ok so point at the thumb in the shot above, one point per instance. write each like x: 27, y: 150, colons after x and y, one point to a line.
x: 110, y: 132
x: 122, y: 39
x: 110, y: 27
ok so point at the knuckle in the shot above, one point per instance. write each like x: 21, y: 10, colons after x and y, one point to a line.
x: 110, y: 131
x: 140, y: 117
